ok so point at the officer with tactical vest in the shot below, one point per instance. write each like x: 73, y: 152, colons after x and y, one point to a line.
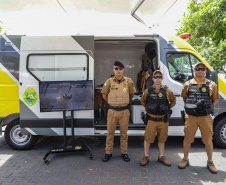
x: 117, y: 92
x: 200, y: 95
x: 157, y: 100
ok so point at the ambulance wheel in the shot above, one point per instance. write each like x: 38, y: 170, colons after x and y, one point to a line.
x: 15, y: 139
x: 219, y: 133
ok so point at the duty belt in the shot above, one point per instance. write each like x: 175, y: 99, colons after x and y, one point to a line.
x: 118, y: 108
x: 156, y: 119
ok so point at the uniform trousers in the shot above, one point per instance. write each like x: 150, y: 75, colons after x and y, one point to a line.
x: 122, y: 118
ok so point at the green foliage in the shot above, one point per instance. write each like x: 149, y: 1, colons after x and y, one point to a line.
x: 206, y: 22
x: 215, y: 55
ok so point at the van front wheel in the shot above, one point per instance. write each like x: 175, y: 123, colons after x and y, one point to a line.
x: 219, y: 133
x: 15, y: 139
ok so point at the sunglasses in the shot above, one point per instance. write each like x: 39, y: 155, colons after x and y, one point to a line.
x: 200, y: 68
x: 155, y: 77
x: 116, y: 68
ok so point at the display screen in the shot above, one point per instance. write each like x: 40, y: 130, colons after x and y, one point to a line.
x: 69, y: 95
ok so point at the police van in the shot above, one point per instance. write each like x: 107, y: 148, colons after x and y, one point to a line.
x: 41, y: 74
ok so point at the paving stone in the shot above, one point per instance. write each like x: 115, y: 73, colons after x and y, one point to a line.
x: 27, y: 167
x: 6, y: 183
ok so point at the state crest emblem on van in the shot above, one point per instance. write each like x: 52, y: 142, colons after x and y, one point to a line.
x: 30, y: 96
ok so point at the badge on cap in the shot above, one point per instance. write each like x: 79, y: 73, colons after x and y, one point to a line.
x: 203, y: 89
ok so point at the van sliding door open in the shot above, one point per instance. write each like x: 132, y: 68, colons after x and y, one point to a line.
x: 134, y: 53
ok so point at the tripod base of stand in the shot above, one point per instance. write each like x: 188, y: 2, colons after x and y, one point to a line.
x: 68, y: 149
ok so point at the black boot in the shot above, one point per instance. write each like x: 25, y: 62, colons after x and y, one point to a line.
x: 106, y: 157
x: 125, y: 157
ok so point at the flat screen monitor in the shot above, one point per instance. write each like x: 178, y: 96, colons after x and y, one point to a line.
x: 69, y: 95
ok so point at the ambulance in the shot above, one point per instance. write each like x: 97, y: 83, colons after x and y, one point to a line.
x: 40, y: 76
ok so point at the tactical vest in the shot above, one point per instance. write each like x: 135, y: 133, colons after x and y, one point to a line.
x: 198, y: 101
x: 157, y: 102
x: 119, y: 93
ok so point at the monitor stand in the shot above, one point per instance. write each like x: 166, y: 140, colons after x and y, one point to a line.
x: 68, y: 148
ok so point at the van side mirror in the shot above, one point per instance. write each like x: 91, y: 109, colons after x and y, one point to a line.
x: 214, y: 76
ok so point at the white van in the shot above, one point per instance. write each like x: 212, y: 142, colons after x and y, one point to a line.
x: 29, y: 65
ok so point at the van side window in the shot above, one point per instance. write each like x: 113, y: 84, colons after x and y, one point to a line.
x: 58, y: 67
x: 181, y: 66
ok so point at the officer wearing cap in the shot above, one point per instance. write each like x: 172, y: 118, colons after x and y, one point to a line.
x: 200, y: 95
x: 157, y: 100
x: 117, y: 92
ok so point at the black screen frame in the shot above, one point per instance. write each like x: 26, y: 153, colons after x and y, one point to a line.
x: 53, y: 82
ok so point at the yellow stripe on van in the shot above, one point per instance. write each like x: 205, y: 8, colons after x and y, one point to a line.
x: 9, y: 95
x: 222, y: 85
x: 186, y: 47
x: 180, y: 43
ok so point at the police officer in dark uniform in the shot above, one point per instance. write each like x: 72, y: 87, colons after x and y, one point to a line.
x: 200, y: 95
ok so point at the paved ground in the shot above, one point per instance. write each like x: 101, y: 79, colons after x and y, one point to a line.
x: 27, y: 167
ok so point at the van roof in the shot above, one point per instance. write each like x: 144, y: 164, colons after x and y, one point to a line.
x: 180, y: 43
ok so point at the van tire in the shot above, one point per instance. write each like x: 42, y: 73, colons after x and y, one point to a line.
x: 14, y: 138
x: 219, y: 133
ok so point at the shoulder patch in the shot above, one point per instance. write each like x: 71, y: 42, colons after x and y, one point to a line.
x: 105, y: 84
x: 169, y: 90
x: 213, y: 83
x: 143, y: 92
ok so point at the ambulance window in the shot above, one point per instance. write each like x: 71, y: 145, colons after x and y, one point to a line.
x: 58, y: 67
x: 179, y: 66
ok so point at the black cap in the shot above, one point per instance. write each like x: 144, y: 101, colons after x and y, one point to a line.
x: 117, y: 63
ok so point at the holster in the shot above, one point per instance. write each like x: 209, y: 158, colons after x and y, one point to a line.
x: 167, y: 116
x: 183, y: 116
x: 144, y: 118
